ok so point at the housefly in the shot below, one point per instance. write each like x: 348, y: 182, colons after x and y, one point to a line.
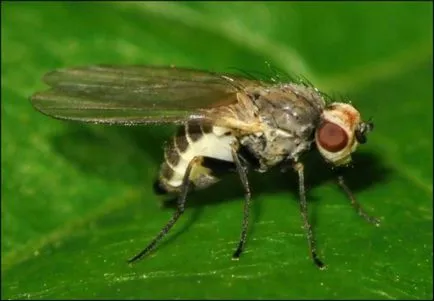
x: 226, y: 123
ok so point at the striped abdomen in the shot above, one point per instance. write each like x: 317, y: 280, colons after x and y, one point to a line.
x: 195, y: 139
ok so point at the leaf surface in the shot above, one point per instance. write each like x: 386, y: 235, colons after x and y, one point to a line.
x: 77, y: 199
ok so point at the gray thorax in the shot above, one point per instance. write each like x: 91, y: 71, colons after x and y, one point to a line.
x: 290, y: 114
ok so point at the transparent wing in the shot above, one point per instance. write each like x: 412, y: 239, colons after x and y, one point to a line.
x: 135, y: 94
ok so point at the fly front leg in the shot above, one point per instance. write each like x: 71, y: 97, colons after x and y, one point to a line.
x: 356, y: 205
x: 299, y: 167
x: 242, y: 172
x: 179, y: 210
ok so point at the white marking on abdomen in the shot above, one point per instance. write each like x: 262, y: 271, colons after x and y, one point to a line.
x: 215, y: 145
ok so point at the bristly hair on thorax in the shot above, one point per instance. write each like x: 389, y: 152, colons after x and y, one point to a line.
x: 277, y: 75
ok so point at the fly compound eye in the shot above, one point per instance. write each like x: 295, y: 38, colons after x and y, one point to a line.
x: 332, y: 137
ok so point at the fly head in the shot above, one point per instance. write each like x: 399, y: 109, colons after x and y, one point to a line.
x: 339, y: 132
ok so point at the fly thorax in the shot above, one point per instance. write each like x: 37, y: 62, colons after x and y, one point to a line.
x: 289, y: 115
x: 279, y: 146
x: 273, y: 146
x: 292, y: 108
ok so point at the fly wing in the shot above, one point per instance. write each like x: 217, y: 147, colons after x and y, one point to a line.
x: 136, y: 94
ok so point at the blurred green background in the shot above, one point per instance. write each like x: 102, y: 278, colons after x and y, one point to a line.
x: 77, y: 199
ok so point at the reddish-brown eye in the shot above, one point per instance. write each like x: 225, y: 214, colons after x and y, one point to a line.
x: 332, y: 137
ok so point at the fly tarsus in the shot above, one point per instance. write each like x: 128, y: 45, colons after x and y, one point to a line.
x: 160, y: 235
x: 356, y: 205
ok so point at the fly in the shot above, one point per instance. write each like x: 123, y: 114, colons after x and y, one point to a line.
x: 226, y: 123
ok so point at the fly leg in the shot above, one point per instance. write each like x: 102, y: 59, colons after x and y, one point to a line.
x: 356, y: 205
x: 242, y: 172
x: 179, y: 210
x: 299, y: 167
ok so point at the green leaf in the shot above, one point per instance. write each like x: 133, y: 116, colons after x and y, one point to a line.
x: 77, y: 199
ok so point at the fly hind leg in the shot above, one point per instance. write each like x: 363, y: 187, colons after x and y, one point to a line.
x: 218, y: 168
x: 242, y: 172
x: 186, y: 182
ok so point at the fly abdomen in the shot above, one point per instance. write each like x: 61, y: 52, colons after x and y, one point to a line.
x: 192, y: 140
